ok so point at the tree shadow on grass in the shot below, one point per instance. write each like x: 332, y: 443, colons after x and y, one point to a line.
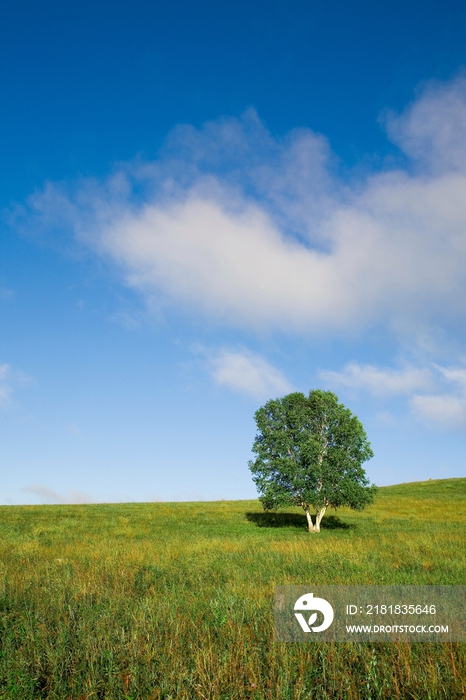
x: 296, y: 520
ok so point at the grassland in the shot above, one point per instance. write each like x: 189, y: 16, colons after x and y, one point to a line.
x: 175, y: 600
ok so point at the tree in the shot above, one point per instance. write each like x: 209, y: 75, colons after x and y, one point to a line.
x: 309, y: 452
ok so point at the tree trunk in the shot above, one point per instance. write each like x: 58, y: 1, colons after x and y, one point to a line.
x: 310, y: 524
x: 319, y: 515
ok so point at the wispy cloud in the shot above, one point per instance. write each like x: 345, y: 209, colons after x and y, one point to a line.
x: 447, y: 410
x: 381, y: 381
x: 432, y: 131
x: 5, y: 389
x: 10, y: 379
x: 435, y: 394
x: 248, y: 373
x: 444, y: 408
x: 5, y: 393
x: 259, y: 233
x: 48, y: 495
x: 74, y: 429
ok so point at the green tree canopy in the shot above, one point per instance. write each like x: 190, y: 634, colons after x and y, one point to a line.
x: 309, y: 452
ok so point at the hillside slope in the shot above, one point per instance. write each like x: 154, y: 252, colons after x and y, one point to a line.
x: 174, y: 600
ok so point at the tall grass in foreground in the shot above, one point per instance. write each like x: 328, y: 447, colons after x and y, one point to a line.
x: 175, y: 600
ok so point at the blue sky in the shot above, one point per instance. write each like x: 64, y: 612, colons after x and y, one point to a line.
x: 206, y: 205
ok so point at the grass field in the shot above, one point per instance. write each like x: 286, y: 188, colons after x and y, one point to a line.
x: 175, y: 600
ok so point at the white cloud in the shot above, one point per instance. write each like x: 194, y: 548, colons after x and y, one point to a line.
x: 258, y: 233
x: 380, y: 381
x: 456, y: 375
x: 432, y: 130
x: 435, y: 394
x: 48, y: 495
x: 446, y: 410
x: 248, y: 373
x: 235, y: 265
